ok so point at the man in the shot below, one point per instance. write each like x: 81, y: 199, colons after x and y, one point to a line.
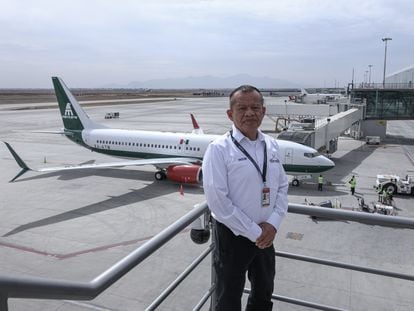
x: 320, y: 182
x: 352, y: 182
x: 246, y: 190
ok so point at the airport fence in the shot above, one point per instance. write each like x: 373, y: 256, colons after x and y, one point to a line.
x: 43, y: 288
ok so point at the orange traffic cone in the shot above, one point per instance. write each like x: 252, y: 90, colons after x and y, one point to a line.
x: 181, y: 190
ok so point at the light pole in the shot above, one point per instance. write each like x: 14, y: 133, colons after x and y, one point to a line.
x: 385, y: 59
x: 369, y: 80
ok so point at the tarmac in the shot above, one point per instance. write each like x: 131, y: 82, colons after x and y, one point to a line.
x: 74, y: 225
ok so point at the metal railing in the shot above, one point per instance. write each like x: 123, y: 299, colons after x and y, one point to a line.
x: 387, y: 85
x: 42, y: 288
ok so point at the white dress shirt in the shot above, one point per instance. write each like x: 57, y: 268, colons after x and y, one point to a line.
x: 233, y: 186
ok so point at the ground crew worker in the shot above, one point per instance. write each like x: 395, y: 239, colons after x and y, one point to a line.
x: 388, y: 197
x: 385, y: 197
x: 320, y: 182
x: 380, y: 192
x: 352, y: 182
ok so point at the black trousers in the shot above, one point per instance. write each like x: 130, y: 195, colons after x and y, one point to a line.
x: 233, y: 257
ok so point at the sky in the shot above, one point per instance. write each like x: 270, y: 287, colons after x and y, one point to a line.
x: 93, y: 43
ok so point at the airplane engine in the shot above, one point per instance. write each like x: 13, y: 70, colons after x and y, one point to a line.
x: 189, y: 174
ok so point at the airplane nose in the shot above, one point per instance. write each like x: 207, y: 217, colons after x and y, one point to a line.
x: 325, y: 162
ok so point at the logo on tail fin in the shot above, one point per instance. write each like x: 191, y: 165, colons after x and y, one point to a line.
x: 69, y: 112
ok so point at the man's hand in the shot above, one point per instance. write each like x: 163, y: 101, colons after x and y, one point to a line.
x: 268, y: 235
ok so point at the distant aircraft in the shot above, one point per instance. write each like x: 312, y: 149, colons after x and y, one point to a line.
x: 307, y: 98
x: 177, y: 156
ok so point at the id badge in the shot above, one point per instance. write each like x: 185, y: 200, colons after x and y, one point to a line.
x: 266, y: 197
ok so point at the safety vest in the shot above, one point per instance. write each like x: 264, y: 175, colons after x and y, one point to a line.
x: 320, y: 180
x: 352, y: 182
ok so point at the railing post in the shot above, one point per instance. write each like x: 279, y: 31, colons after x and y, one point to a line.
x: 213, y: 270
x: 3, y: 303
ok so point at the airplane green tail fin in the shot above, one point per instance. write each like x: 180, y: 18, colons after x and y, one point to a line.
x: 73, y: 116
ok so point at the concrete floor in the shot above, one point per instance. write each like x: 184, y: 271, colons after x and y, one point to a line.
x: 74, y: 225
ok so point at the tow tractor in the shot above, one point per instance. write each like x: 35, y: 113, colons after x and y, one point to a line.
x: 393, y: 184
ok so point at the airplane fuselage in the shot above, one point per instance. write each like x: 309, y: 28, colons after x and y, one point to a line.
x: 296, y: 158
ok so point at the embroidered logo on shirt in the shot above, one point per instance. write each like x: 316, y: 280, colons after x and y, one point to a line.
x: 274, y: 159
x: 242, y: 159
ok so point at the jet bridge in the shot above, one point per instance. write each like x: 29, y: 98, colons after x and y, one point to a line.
x: 323, y: 133
x: 328, y: 130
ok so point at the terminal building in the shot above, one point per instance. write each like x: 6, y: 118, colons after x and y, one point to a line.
x: 392, y: 100
x: 363, y: 113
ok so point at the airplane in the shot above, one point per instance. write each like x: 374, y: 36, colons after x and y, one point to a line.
x: 307, y: 98
x: 177, y: 156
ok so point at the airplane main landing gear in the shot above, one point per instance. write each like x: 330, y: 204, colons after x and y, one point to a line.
x: 160, y: 175
x: 295, y: 182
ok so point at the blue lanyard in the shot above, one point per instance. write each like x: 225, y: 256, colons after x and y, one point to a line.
x: 241, y: 148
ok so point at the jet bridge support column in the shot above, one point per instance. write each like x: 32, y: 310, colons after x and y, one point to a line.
x: 3, y: 303
x: 328, y: 120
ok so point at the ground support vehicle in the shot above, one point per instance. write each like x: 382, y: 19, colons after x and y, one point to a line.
x: 393, y: 184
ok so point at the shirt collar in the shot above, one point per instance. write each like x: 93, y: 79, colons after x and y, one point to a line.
x: 239, y: 135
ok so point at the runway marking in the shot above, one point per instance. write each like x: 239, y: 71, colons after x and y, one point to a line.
x: 87, y: 305
x: 82, y: 252
x: 408, y: 154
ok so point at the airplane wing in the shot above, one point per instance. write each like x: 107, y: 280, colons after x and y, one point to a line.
x: 158, y: 162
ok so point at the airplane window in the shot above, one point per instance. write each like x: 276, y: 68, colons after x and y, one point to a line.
x: 311, y: 154
x: 170, y: 147
x: 175, y: 147
x: 179, y: 148
x: 152, y: 145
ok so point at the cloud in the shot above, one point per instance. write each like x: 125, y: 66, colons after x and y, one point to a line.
x: 101, y: 42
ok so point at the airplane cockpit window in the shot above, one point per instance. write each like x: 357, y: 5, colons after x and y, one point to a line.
x: 311, y: 154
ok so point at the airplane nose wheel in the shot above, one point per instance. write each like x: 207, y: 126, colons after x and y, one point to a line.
x: 160, y: 175
x: 295, y: 182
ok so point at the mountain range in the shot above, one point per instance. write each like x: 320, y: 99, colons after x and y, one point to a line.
x: 207, y: 82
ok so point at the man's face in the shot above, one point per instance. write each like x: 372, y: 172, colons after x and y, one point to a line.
x: 247, y: 112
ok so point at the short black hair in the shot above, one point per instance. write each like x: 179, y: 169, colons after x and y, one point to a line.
x: 246, y: 88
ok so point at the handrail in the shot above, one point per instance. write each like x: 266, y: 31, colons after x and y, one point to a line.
x: 300, y: 302
x: 42, y: 288
x: 361, y: 217
x: 344, y: 265
x: 179, y: 279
